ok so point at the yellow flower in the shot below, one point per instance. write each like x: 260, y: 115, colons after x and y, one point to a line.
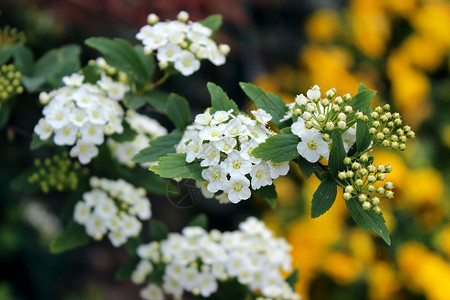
x: 442, y: 240
x: 424, y: 52
x: 322, y: 26
x: 342, y: 267
x: 361, y: 245
x: 401, y: 7
x: 382, y: 281
x: 425, y: 187
x: 433, y: 21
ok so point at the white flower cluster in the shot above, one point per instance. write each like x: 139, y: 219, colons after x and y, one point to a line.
x: 197, y: 261
x: 224, y: 144
x: 115, y: 206
x: 181, y: 43
x: 315, y: 116
x: 147, y: 129
x: 81, y: 114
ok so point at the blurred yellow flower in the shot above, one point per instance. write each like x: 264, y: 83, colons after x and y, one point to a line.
x: 382, y: 281
x: 361, y: 245
x: 443, y: 240
x: 425, y: 187
x: 342, y: 267
x: 433, y: 20
x: 423, y: 52
x: 322, y: 26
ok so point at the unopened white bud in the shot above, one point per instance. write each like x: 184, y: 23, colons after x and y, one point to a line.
x: 325, y: 102
x: 152, y: 19
x: 306, y: 116
x: 362, y: 197
x: 341, y: 125
x: 371, y: 168
x: 375, y: 201
x: 380, y: 190
x: 349, y: 189
x: 377, y: 210
x: 342, y: 175
x: 163, y: 64
x: 301, y: 100
x: 224, y: 49
x: 335, y: 108
x: 329, y: 125
x: 381, y: 168
x: 309, y: 124
x: 347, y: 196
x: 381, y: 177
x: 183, y: 16
x: 342, y: 116
x: 331, y: 92
x: 389, y: 194
x: 366, y: 205
x: 338, y: 100
x: 359, y: 182
x: 147, y: 50
x: 321, y: 118
x: 310, y: 107
x: 44, y: 98
x: 348, y: 109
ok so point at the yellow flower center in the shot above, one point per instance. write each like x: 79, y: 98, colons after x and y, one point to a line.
x: 237, y: 186
x: 216, y: 175
x: 236, y: 164
x: 259, y: 174
x: 312, y: 145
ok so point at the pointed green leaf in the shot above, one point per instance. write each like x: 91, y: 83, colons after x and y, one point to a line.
x: 37, y: 143
x: 337, y: 153
x: 178, y: 111
x: 127, y: 268
x: 200, y: 220
x: 148, y: 61
x: 72, y: 236
x: 220, y: 100
x: 268, y: 193
x: 361, y: 101
x: 158, y: 230
x: 6, y: 51
x: 156, y: 99
x: 269, y: 102
x: 292, y: 279
x: 24, y: 60
x: 323, y: 197
x: 174, y: 165
x: 91, y: 73
x: 278, y: 148
x: 363, y: 138
x: 306, y: 167
x: 159, y: 147
x: 128, y: 134
x: 120, y: 54
x: 213, y: 22
x: 368, y: 219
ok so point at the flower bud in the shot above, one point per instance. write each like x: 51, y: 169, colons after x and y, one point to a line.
x: 386, y: 107
x: 407, y: 129
x: 394, y: 138
x: 394, y: 145
x: 326, y: 137
x: 321, y: 118
x: 329, y: 125
x: 375, y: 201
x: 374, y: 115
x: 381, y: 168
x: 389, y: 194
x: 402, y: 147
x: 309, y: 124
x: 398, y: 122
x: 301, y: 100
x: 341, y: 125
x: 152, y: 19
x: 386, y: 143
x: 410, y: 135
x: 183, y: 16
x: 381, y: 176
x: 224, y: 49
x: 325, y: 102
x: 388, y: 169
x: 380, y: 190
x: 362, y: 197
x: 377, y: 210
x: 384, y: 119
x: 364, y: 158
x: 366, y: 205
x: 376, y: 124
x: 349, y: 189
x: 356, y: 165
x: 390, y: 124
x: 372, y: 130
x: 371, y: 169
x: 342, y: 175
x: 350, y: 174
x: 389, y: 185
x: 347, y: 160
x: 163, y: 64
x: 386, y: 131
x: 370, y: 188
x: 310, y: 107
x: 363, y: 172
x: 342, y: 116
x: 379, y: 110
x: 402, y: 139
x: 380, y: 136
x: 338, y: 100
x: 359, y: 115
x: 371, y: 178
x: 348, y: 109
x: 359, y: 182
x: 347, y: 196
x: 331, y: 92
x: 297, y: 112
x: 306, y: 115
x: 335, y: 108
x: 347, y: 97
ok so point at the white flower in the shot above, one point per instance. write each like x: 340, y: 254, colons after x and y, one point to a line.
x: 78, y: 117
x: 92, y: 133
x: 260, y: 175
x: 43, y: 129
x: 117, y: 238
x: 298, y: 128
x: 212, y: 133
x: 131, y: 225
x: 237, y: 188
x: 208, y: 284
x: 66, y: 135
x: 152, y: 292
x: 278, y: 169
x: 106, y: 208
x: 261, y: 116
x: 168, y: 52
x: 349, y: 137
x: 234, y: 164
x: 313, y: 146
x: 203, y: 119
x: 226, y: 145
x: 216, y: 178
x: 214, y: 55
x: 82, y: 212
x: 301, y: 100
x: 190, y: 278
x: 57, y: 117
x: 211, y: 155
x: 85, y: 151
x: 172, y: 286
x: 96, y: 226
x: 186, y: 63
x: 73, y: 80
x: 314, y: 93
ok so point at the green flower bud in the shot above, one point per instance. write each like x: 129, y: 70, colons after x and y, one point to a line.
x: 350, y: 174
x: 371, y: 169
x: 347, y: 160
x: 375, y: 201
x: 389, y: 194
x: 366, y: 205
x: 386, y: 107
x: 370, y: 188
x: 380, y: 190
x: 342, y: 176
x: 381, y: 176
x: 347, y: 196
x: 371, y: 178
x: 356, y: 165
x: 377, y: 210
x: 388, y: 185
x: 402, y: 147
x: 359, y: 182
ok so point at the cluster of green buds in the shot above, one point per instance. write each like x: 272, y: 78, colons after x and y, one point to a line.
x: 10, y: 36
x: 360, y: 181
x: 324, y: 114
x: 57, y: 173
x: 10, y: 84
x: 387, y: 129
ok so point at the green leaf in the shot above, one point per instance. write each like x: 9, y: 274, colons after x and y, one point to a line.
x: 213, y: 22
x: 158, y: 230
x: 269, y: 102
x: 368, y: 219
x: 52, y: 66
x: 72, y: 236
x: 148, y: 180
x: 5, y: 111
x: 127, y: 268
x: 156, y: 99
x: 178, y: 111
x: 200, y: 220
x: 278, y: 148
x: 268, y: 193
x: 6, y: 51
x: 363, y: 137
x: 148, y: 60
x: 37, y: 143
x: 220, y: 100
x: 361, y: 101
x: 292, y: 279
x: 91, y: 74
x: 323, y: 197
x: 133, y: 101
x: 306, y: 167
x: 286, y: 130
x: 174, y: 165
x: 159, y: 147
x: 24, y: 60
x: 128, y: 134
x: 337, y: 153
x: 120, y: 54
x: 20, y: 183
